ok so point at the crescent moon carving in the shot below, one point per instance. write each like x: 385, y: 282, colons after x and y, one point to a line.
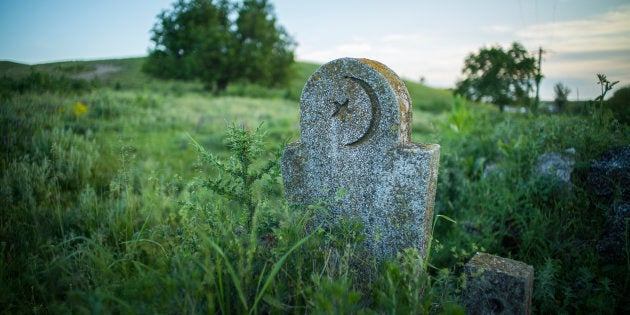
x: 375, y: 107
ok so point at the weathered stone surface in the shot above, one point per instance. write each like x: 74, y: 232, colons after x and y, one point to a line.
x: 612, y: 244
x: 490, y: 169
x: 496, y: 285
x: 610, y: 174
x: 609, y: 180
x: 355, y: 156
x: 557, y: 165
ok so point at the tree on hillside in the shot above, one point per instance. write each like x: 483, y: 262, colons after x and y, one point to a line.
x: 498, y: 76
x: 562, y: 96
x: 259, y: 37
x: 220, y: 42
x: 619, y: 104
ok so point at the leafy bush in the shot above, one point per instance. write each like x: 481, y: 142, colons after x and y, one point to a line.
x: 619, y: 104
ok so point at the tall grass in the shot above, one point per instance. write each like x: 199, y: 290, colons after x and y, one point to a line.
x: 103, y: 210
x: 488, y: 184
x: 98, y: 221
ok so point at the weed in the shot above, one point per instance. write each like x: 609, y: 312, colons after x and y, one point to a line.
x: 237, y: 175
x: 598, y: 103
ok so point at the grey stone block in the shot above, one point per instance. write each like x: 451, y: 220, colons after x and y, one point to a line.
x: 496, y: 285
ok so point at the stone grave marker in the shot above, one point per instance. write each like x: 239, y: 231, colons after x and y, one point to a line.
x: 497, y: 285
x: 355, y: 156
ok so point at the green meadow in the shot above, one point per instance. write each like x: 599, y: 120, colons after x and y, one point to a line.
x: 121, y: 194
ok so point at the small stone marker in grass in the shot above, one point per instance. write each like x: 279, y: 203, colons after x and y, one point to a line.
x: 355, y: 156
x: 496, y: 285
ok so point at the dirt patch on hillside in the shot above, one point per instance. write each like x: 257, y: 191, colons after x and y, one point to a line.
x: 99, y: 72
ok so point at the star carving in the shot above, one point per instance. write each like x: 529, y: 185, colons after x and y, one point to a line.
x: 341, y: 109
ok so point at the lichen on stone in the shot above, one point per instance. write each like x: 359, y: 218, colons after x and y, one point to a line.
x: 355, y: 124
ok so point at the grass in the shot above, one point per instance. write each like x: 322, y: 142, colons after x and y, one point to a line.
x: 106, y: 211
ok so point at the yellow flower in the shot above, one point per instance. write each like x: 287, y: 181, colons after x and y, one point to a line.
x: 79, y: 109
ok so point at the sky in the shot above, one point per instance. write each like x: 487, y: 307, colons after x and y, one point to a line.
x: 416, y: 38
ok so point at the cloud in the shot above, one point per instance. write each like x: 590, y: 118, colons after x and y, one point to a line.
x: 410, y: 55
x: 605, y: 32
x: 575, y: 50
x: 500, y: 29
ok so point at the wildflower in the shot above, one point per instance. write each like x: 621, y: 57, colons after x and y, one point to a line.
x: 79, y: 109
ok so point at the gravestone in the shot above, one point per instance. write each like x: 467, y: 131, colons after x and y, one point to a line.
x: 355, y: 156
x: 556, y: 165
x: 609, y: 175
x: 614, y: 238
x: 609, y: 181
x: 497, y: 285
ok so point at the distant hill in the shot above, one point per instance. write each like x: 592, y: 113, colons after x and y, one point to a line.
x: 106, y: 71
x: 126, y: 73
x: 13, y: 69
x: 424, y: 97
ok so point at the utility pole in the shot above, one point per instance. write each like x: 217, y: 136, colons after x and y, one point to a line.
x: 538, y: 78
x: 577, y: 89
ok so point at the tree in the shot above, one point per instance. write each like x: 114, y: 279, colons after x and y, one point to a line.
x: 220, y: 42
x: 258, y: 38
x: 562, y: 96
x: 497, y: 76
x: 619, y: 104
